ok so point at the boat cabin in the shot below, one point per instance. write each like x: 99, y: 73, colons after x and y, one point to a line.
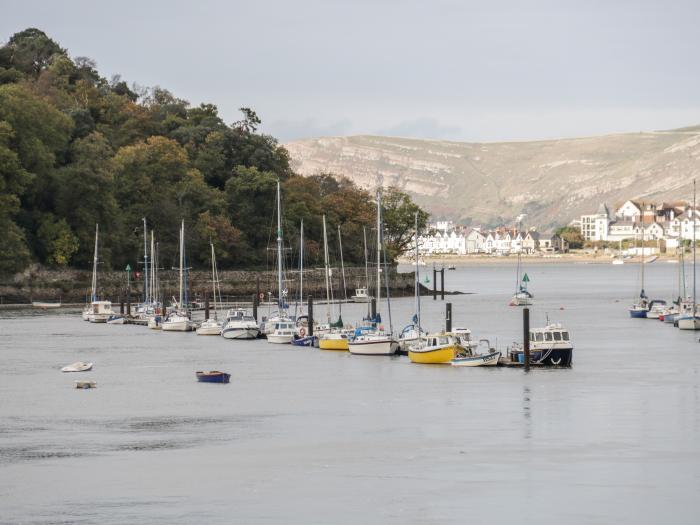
x: 550, y: 336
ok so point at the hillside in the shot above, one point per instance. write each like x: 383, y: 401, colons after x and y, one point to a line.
x: 552, y: 181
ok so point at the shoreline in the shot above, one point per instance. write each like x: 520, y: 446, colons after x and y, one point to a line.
x: 567, y: 258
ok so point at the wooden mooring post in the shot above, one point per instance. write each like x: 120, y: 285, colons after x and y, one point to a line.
x: 448, y: 317
x: 255, y: 306
x: 526, y: 337
x: 310, y: 310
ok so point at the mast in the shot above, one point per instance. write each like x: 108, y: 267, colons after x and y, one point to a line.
x: 301, y: 264
x: 182, y: 242
x: 342, y: 265
x: 379, y: 246
x: 213, y: 276
x: 364, y: 238
x: 94, y: 266
x: 146, y: 296
x: 417, y: 280
x: 327, y: 270
x: 642, y: 225
x: 695, y: 213
x: 152, y: 281
x: 280, y: 301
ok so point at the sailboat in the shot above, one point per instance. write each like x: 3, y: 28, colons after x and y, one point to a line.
x: 154, y: 314
x: 692, y: 321
x: 280, y: 328
x: 641, y: 307
x: 302, y: 335
x: 362, y: 293
x: 335, y: 338
x: 179, y: 320
x: 522, y: 296
x: 682, y: 304
x: 212, y: 326
x: 411, y: 333
x: 97, y: 311
x: 376, y: 341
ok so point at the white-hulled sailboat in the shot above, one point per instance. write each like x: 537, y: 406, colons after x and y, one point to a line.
x: 280, y: 328
x: 179, y: 320
x: 377, y: 341
x: 212, y: 326
x: 97, y: 311
x: 691, y: 321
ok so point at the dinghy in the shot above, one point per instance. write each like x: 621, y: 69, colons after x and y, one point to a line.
x: 77, y: 367
x: 85, y: 384
x: 213, y: 376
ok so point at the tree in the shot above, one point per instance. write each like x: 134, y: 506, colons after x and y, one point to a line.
x: 572, y: 236
x: 57, y: 241
x: 29, y: 51
x: 250, y: 121
x: 399, y: 221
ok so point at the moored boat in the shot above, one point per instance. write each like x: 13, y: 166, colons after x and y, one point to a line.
x: 361, y: 296
x: 100, y: 311
x: 434, y: 349
x: 240, y: 325
x: 45, y: 305
x: 334, y: 340
x: 656, y: 309
x: 177, y: 322
x: 209, y: 327
x: 213, y: 376
x: 78, y: 366
x: 116, y: 319
x: 282, y: 333
x: 549, y: 346
x: 373, y: 343
x: 82, y: 385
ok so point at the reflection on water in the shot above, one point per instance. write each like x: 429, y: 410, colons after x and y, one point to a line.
x: 305, y: 436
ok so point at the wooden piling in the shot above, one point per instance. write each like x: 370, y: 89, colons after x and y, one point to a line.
x: 206, y: 306
x: 255, y: 306
x: 310, y: 310
x: 442, y: 284
x: 448, y: 317
x: 434, y: 283
x: 526, y: 337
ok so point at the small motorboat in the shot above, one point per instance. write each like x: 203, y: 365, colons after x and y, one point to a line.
x: 304, y: 340
x: 361, y: 296
x: 474, y: 358
x: 44, y: 305
x: 210, y: 327
x: 213, y: 376
x: 451, y: 267
x: 656, y: 309
x: 435, y: 349
x: 116, y: 319
x: 85, y: 384
x: 77, y: 367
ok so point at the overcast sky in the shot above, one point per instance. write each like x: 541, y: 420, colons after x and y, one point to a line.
x: 458, y: 70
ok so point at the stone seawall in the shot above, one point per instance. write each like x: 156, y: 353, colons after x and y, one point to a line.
x: 40, y: 284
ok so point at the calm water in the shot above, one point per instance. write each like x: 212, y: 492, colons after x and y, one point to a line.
x: 305, y: 436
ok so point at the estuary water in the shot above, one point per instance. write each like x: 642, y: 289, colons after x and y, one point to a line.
x: 309, y: 436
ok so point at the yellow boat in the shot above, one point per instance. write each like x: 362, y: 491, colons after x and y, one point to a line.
x: 333, y: 341
x: 438, y: 349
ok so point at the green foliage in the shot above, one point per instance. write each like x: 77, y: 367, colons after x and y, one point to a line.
x: 572, y: 236
x: 76, y: 149
x: 57, y: 241
x: 399, y: 220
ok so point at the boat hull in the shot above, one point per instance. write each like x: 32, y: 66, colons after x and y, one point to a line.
x: 279, y: 339
x: 213, y: 377
x: 240, y: 333
x: 561, y: 357
x: 308, y: 340
x: 177, y: 326
x: 371, y: 347
x: 98, y: 318
x: 638, y: 314
x: 478, y: 360
x: 689, y: 323
x: 209, y: 330
x: 437, y: 356
x: 339, y: 344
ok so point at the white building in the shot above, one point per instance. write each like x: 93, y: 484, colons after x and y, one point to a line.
x: 595, y: 227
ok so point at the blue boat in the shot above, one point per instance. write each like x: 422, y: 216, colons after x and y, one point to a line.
x: 307, y: 340
x: 213, y: 376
